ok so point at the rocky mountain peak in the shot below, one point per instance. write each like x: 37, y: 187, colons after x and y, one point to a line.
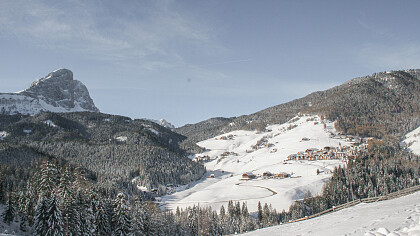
x: 60, y: 76
x: 56, y: 92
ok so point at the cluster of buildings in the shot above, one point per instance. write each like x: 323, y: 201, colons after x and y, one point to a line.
x: 228, y: 137
x: 265, y: 175
x: 201, y: 158
x: 345, y: 153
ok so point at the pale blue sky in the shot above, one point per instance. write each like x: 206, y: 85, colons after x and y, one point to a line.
x: 187, y: 61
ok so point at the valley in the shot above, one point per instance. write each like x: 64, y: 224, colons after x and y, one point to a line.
x: 232, y: 154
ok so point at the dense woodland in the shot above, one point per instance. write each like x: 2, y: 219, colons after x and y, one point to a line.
x: 114, y: 149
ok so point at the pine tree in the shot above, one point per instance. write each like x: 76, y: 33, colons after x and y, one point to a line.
x: 29, y: 202
x: 84, y: 213
x: 121, y: 217
x: 139, y: 216
x: 260, y: 213
x: 55, y: 219
x: 9, y: 214
x: 102, y: 219
x: 41, y: 217
x: 49, y: 176
x: 71, y: 217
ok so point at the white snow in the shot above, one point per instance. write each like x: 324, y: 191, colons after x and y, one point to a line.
x: 282, y: 140
x: 13, y: 228
x: 3, y: 134
x: 143, y: 188
x: 164, y: 123
x: 27, y: 131
x: 400, y: 216
x: 50, y: 123
x: 412, y: 141
x: 121, y: 138
x: 154, y: 131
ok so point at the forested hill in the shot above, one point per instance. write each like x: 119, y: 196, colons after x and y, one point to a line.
x: 385, y: 103
x: 114, y: 149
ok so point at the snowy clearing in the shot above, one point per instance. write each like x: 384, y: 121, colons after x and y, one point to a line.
x: 413, y: 141
x: 154, y: 131
x: 232, y: 154
x: 121, y: 138
x: 400, y: 216
x: 50, y: 123
x: 3, y: 134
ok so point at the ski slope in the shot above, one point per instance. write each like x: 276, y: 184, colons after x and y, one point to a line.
x: 400, y: 216
x: 280, y: 141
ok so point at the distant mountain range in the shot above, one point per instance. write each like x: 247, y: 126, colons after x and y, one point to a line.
x: 56, y: 92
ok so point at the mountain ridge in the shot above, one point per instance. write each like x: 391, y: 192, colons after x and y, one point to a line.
x: 384, y: 103
x: 56, y: 92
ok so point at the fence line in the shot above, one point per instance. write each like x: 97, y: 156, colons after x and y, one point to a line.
x: 388, y: 196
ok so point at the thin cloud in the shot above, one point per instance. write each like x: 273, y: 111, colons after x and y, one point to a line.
x: 383, y: 57
x: 123, y: 38
x: 373, y: 29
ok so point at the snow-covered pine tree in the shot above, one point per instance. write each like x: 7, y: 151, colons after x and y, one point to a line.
x: 41, y: 217
x: 9, y: 213
x: 65, y: 185
x: 139, y: 216
x: 84, y: 213
x: 71, y: 217
x: 54, y: 217
x: 260, y: 213
x: 49, y: 176
x: 102, y: 219
x: 121, y: 217
x: 223, y: 220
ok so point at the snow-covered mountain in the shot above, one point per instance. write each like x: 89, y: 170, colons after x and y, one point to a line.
x: 164, y: 123
x: 56, y: 92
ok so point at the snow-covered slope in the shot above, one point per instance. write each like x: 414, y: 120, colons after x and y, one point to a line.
x: 400, y: 216
x: 57, y: 92
x: 10, y: 229
x: 232, y: 154
x: 413, y: 141
x: 164, y: 123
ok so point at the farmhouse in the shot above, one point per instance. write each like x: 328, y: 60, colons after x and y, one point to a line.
x: 282, y: 175
x: 201, y: 158
x: 267, y: 174
x: 248, y: 176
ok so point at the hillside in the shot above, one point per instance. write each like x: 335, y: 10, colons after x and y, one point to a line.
x: 400, y: 216
x: 229, y: 155
x: 115, y: 149
x: 386, y: 103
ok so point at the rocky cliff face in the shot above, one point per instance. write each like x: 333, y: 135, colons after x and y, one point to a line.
x: 57, y: 92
